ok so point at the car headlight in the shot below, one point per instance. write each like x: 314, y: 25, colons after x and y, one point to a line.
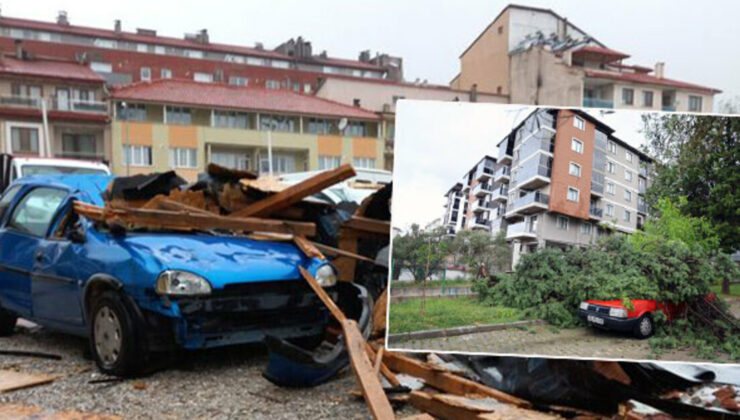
x: 584, y: 306
x: 326, y: 276
x: 618, y: 313
x: 183, y: 283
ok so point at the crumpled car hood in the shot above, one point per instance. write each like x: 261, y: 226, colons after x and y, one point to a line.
x: 220, y: 259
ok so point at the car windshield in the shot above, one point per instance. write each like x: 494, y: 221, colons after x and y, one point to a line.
x: 27, y: 170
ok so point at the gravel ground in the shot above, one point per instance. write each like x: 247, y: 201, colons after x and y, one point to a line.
x: 214, y: 384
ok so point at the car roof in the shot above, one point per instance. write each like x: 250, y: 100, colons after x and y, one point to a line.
x: 89, y: 187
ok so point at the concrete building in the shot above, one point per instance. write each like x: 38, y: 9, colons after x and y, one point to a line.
x: 124, y: 57
x: 571, y: 180
x: 52, y: 108
x: 381, y: 96
x: 469, y: 202
x: 183, y: 124
x: 536, y: 56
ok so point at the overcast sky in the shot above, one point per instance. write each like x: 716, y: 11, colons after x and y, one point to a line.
x: 697, y: 39
x: 438, y: 142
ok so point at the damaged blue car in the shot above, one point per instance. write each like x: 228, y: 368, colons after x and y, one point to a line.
x: 138, y: 293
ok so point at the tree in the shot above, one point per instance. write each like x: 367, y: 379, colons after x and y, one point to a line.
x: 697, y: 157
x: 414, y: 249
x: 477, y: 249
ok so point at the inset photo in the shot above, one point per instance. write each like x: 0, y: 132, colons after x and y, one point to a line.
x: 560, y: 232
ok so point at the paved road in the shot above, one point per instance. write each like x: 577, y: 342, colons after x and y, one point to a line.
x: 548, y: 341
x: 220, y: 384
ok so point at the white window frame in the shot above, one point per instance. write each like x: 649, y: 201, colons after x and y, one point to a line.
x: 628, y: 155
x: 576, y: 145
x: 101, y: 67
x: 579, y: 123
x: 9, y: 125
x: 201, y: 77
x: 577, y: 167
x: 238, y: 81
x: 329, y: 161
x: 183, y: 157
x: 611, y: 188
x: 560, y: 223
x: 364, y: 162
x: 609, y: 210
x: 165, y: 73
x: 612, y: 147
x: 628, y: 175
x: 136, y: 153
x: 627, y: 215
x: 145, y: 74
x: 611, y: 167
x: 577, y: 192
x: 627, y: 195
x: 586, y: 228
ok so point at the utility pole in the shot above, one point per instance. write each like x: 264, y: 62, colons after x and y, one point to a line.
x: 424, y: 286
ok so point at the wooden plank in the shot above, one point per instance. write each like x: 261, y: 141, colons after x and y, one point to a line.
x: 453, y: 407
x: 185, y: 220
x: 372, y: 389
x: 11, y: 380
x: 378, y: 360
x: 424, y: 402
x: 380, y: 314
x: 389, y: 375
x: 342, y: 253
x: 365, y: 224
x: 422, y: 416
x: 296, y: 193
x: 333, y: 308
x: 346, y: 265
x: 447, y: 381
x: 308, y: 247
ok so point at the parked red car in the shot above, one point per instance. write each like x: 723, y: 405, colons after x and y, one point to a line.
x: 613, y: 315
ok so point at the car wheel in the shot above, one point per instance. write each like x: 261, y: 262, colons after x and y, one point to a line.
x: 114, y: 341
x: 645, y: 327
x: 7, y: 322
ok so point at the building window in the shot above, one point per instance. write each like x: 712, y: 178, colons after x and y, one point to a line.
x: 611, y: 167
x: 628, y: 175
x: 575, y: 169
x: 24, y: 140
x: 641, y: 183
x: 230, y: 119
x: 320, y: 126
x: 628, y: 156
x: 272, y: 84
x: 586, y: 228
x: 277, y: 123
x: 131, y: 112
x: 230, y: 159
x: 647, y: 98
x: 363, y: 162
x: 628, y: 96
x: 183, y: 157
x: 562, y: 223
x: 694, y: 103
x: 329, y: 162
x: 165, y: 73
x: 576, y: 145
x: 627, y: 195
x: 238, y: 81
x: 81, y: 146
x: 203, y: 77
x: 137, y: 155
x: 573, y: 194
x: 145, y: 73
x: 609, y: 210
x: 627, y: 215
x: 101, y: 67
x: 177, y: 115
x: 610, y: 188
x: 281, y: 164
x: 579, y: 123
x: 355, y: 129
x: 306, y: 88
x: 612, y: 147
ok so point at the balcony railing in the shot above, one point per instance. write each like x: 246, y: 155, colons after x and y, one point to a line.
x: 597, y: 103
x: 597, y: 188
x: 481, y: 222
x: 534, y: 198
x: 503, y: 172
x: 532, y: 176
x: 643, y: 171
x: 20, y: 101
x: 642, y: 208
x: 500, y: 194
x: 669, y: 108
x: 482, y: 189
x: 595, y: 211
x: 520, y: 229
x: 78, y: 105
x: 483, y: 173
x: 641, y: 188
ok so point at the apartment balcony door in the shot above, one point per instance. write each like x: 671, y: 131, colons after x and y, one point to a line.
x: 532, y: 224
x: 63, y: 102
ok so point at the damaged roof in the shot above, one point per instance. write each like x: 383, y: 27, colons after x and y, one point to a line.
x: 219, y: 95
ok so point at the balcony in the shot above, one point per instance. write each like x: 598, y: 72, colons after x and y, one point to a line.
x: 597, y: 103
x: 500, y: 195
x: 20, y: 102
x: 78, y: 105
x: 502, y: 175
x: 481, y: 190
x: 643, y: 171
x: 641, y: 188
x: 504, y: 155
x: 533, y: 176
x: 642, y: 208
x: 595, y: 212
x: 597, y: 189
x: 480, y: 223
x: 521, y: 230
x: 529, y: 203
x: 481, y: 205
x: 483, y: 173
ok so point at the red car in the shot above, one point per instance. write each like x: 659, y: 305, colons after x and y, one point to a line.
x: 613, y: 315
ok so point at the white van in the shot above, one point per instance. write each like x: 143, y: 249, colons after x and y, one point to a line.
x: 14, y: 167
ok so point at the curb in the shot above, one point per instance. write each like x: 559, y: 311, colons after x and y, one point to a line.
x: 451, y: 332
x: 401, y: 298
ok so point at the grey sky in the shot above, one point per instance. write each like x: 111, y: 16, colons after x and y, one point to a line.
x: 695, y: 38
x: 437, y: 142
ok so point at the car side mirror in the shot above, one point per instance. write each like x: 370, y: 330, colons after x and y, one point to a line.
x: 77, y: 235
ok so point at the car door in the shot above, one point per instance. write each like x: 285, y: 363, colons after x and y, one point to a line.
x: 55, y: 274
x: 20, y: 237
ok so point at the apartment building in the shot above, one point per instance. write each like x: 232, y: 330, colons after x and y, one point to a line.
x: 536, y: 56
x: 381, y: 96
x: 571, y: 181
x: 52, y: 108
x: 182, y: 124
x: 469, y: 202
x: 124, y: 57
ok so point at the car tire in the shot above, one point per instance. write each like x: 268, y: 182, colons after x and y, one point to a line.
x: 7, y: 323
x: 645, y: 327
x: 114, y: 339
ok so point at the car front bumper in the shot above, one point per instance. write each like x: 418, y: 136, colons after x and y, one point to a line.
x: 603, y: 321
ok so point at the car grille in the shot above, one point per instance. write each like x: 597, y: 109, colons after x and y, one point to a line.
x: 599, y: 309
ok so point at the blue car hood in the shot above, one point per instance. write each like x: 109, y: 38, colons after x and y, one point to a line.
x: 221, y: 259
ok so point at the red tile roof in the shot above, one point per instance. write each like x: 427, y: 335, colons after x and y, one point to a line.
x: 218, y: 95
x: 65, y: 70
x: 643, y: 78
x: 635, y: 67
x: 171, y: 41
x: 612, y: 55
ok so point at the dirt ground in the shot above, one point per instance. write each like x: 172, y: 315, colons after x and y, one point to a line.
x: 217, y: 384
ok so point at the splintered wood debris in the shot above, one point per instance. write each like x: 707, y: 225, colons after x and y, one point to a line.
x: 31, y: 412
x: 11, y: 380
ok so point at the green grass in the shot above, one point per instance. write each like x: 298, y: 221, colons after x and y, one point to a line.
x: 734, y: 290
x: 446, y: 313
x: 432, y: 283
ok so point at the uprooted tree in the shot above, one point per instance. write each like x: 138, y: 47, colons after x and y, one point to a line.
x: 482, y: 253
x: 423, y: 253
